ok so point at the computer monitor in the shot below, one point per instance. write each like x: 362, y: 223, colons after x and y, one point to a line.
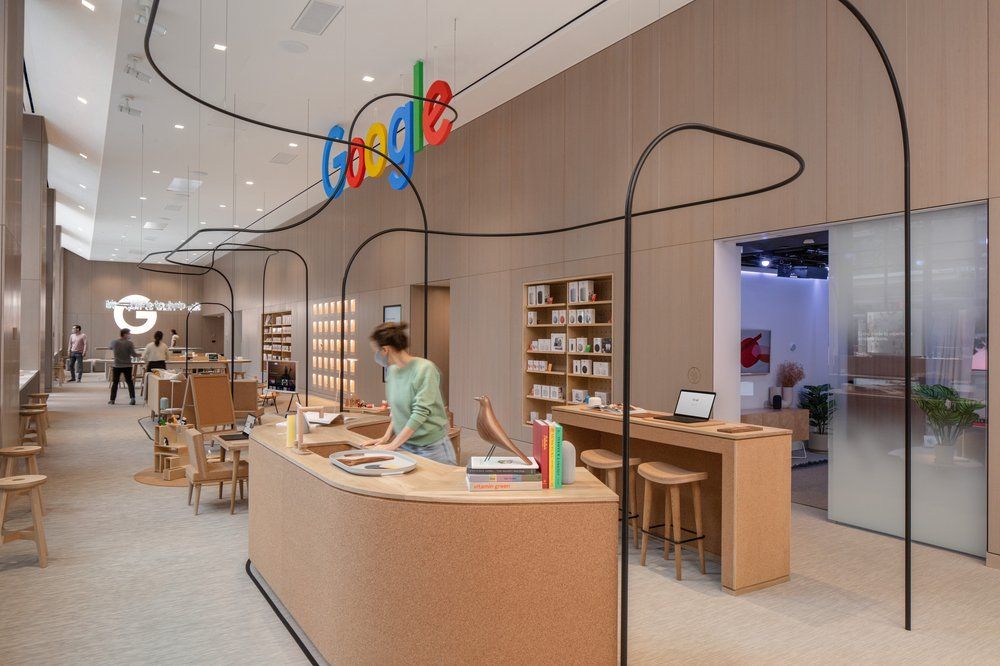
x: 695, y: 404
x: 281, y: 376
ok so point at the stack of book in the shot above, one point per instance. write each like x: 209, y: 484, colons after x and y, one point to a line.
x: 486, y: 473
x: 547, y: 449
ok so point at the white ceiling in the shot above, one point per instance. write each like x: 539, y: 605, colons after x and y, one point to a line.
x: 71, y: 51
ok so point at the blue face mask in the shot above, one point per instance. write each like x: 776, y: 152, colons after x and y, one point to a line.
x: 381, y: 358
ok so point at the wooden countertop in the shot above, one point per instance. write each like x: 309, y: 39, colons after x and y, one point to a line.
x: 712, y: 430
x: 429, y: 482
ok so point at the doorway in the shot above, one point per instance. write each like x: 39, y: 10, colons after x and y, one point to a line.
x: 213, y: 333
x: 438, y: 327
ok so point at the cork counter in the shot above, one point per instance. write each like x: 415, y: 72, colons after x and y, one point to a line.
x: 416, y: 569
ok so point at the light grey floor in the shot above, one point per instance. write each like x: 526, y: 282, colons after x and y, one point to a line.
x: 135, y: 578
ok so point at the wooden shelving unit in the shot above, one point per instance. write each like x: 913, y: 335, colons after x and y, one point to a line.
x: 276, y: 336
x: 558, y: 372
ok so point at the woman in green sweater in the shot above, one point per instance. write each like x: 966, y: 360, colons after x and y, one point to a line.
x: 419, y: 423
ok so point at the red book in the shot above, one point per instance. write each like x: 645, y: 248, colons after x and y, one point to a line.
x: 540, y: 448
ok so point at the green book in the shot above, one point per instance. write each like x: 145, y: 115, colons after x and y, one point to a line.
x: 556, y: 433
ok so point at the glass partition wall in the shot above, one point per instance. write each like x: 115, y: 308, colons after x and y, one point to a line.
x: 949, y: 278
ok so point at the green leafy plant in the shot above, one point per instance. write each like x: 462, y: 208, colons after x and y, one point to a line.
x: 821, y: 406
x: 947, y: 412
x: 790, y: 373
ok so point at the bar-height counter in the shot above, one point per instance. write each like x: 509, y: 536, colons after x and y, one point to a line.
x: 746, y: 499
x: 415, y: 568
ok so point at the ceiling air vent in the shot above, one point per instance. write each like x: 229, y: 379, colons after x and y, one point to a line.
x: 173, y: 207
x: 158, y: 226
x: 316, y: 17
x: 183, y: 185
x: 282, y: 158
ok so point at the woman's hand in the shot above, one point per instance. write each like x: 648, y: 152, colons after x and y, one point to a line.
x: 380, y: 444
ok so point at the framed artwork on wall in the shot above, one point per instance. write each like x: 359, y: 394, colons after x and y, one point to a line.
x: 393, y: 313
x: 755, y: 351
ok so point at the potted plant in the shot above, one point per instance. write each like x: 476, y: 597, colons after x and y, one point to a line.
x: 948, y: 415
x: 790, y: 373
x: 821, y: 406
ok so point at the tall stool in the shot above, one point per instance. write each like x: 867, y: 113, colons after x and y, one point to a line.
x: 31, y: 429
x: 11, y: 454
x: 14, y: 485
x: 610, y: 462
x: 673, y: 478
x: 42, y: 400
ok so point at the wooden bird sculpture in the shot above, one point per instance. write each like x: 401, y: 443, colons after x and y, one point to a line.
x: 489, y: 428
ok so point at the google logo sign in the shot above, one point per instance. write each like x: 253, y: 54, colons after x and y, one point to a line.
x: 410, y: 124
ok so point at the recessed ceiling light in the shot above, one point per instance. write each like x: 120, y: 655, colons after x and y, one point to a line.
x: 260, y: 210
x: 249, y: 182
x: 202, y: 223
x: 765, y: 263
x: 219, y: 47
x: 123, y: 235
x: 82, y: 155
x: 178, y: 126
x: 808, y: 241
x: 80, y: 206
x: 142, y: 198
x: 293, y: 145
x: 156, y: 171
x: 116, y: 249
x: 83, y: 186
x: 222, y: 205
x: 81, y: 100
x: 236, y: 225
x: 367, y: 79
x: 88, y: 5
x: 132, y: 216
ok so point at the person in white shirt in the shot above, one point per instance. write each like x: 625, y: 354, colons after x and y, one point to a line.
x: 155, y: 353
x: 174, y: 338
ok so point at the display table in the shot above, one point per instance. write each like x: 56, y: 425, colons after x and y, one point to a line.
x: 746, y: 499
x: 416, y: 568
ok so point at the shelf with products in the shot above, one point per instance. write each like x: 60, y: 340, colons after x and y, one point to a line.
x: 276, y: 336
x: 326, y: 347
x: 551, y: 329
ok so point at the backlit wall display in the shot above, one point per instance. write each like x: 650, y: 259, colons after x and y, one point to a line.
x: 325, y: 346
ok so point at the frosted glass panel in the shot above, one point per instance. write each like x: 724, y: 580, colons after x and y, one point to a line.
x: 949, y: 350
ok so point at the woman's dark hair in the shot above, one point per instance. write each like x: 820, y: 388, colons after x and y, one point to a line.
x: 391, y: 334
x: 173, y: 331
x: 124, y: 332
x: 157, y: 337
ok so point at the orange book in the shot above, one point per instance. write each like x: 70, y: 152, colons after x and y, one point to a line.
x: 540, y: 448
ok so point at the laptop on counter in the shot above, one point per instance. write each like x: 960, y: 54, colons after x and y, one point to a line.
x: 245, y: 433
x: 692, y: 407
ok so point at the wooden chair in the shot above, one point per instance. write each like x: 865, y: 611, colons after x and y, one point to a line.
x: 11, y: 454
x: 200, y: 470
x: 29, y: 484
x: 673, y: 478
x: 610, y: 462
x: 266, y: 396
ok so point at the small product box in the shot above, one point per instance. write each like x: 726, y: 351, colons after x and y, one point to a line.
x: 598, y: 345
x: 534, y: 345
x: 532, y: 318
x: 558, y: 342
x: 601, y: 368
x: 562, y: 317
x: 576, y: 366
x: 606, y: 345
x: 589, y: 316
x: 572, y: 317
x: 573, y: 293
x: 585, y: 366
x: 584, y: 290
x: 579, y: 396
x: 581, y: 345
x: 541, y: 294
x: 572, y: 345
x: 545, y: 345
x: 534, y: 416
x: 604, y: 396
x: 531, y: 295
x: 546, y: 390
x: 536, y: 390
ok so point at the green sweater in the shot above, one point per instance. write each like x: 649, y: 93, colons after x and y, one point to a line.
x: 414, y: 395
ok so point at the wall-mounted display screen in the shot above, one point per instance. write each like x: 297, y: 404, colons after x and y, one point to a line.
x: 281, y: 376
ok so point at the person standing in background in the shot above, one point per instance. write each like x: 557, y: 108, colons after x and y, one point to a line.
x: 156, y: 353
x: 123, y: 351
x: 77, y: 350
x: 174, y: 338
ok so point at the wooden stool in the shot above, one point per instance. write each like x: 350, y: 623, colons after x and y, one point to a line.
x: 673, y: 477
x: 41, y: 399
x: 11, y: 454
x: 12, y: 485
x: 31, y: 430
x: 611, y: 462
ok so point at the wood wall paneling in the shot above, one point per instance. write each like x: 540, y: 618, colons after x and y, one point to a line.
x: 770, y: 83
x: 489, y: 169
x: 947, y: 100
x: 994, y: 95
x: 643, y: 112
x: 596, y: 163
x: 447, y: 201
x: 864, y: 147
